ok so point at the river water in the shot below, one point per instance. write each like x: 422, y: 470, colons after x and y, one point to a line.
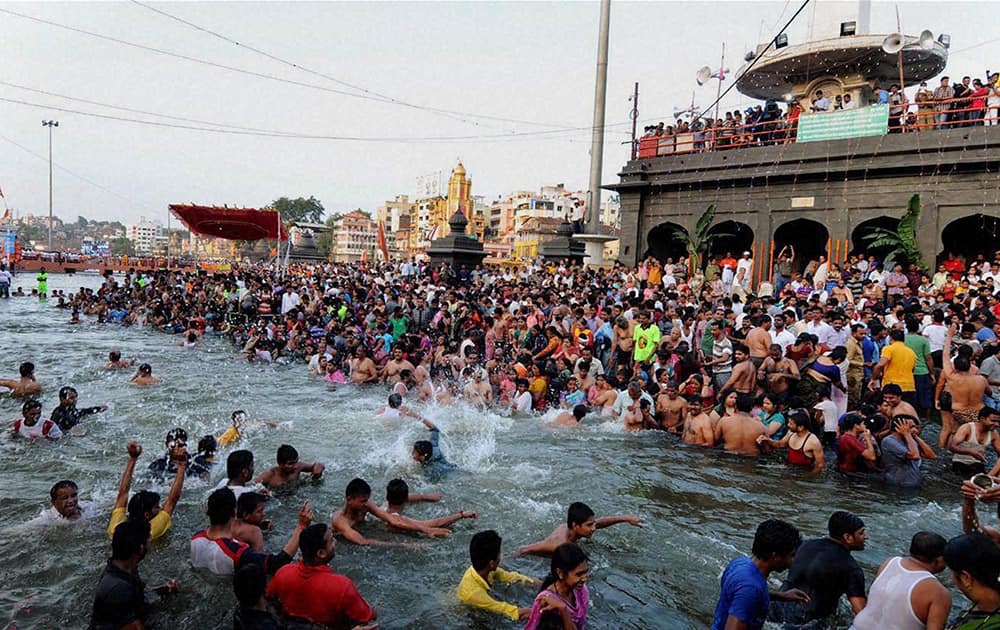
x: 699, y: 507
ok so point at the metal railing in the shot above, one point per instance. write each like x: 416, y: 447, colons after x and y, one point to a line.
x: 908, y: 117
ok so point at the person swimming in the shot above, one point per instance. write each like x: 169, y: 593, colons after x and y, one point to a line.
x: 26, y: 385
x: 28, y: 426
x: 144, y: 376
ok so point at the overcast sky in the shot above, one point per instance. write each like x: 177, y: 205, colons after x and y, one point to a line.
x: 531, y: 63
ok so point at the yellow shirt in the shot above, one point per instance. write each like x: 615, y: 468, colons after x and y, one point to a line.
x: 158, y: 526
x: 475, y: 591
x: 230, y: 436
x: 902, y: 360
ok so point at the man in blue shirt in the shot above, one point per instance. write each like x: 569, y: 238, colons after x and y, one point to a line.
x: 745, y: 599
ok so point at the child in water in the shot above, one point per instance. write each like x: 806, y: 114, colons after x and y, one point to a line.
x: 563, y: 600
x: 240, y: 424
x: 474, y: 589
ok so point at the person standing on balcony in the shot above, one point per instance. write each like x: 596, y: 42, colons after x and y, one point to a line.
x: 993, y: 100
x: 942, y: 94
x: 897, y: 107
x: 820, y: 103
x: 925, y: 108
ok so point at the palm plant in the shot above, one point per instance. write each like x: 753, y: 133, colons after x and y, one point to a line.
x: 901, y: 243
x: 699, y: 241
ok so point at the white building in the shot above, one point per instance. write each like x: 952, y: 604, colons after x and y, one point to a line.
x: 147, y: 238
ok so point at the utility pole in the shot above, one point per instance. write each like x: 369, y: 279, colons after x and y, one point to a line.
x: 593, y: 223
x: 635, y: 119
x: 50, y: 124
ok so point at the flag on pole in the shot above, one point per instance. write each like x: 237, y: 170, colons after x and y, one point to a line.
x: 381, y: 241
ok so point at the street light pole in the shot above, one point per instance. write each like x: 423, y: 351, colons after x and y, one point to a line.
x: 50, y: 124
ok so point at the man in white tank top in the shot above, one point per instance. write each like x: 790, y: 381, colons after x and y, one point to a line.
x: 906, y: 595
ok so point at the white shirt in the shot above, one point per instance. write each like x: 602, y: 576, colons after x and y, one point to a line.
x: 783, y: 339
x: 522, y: 402
x: 850, y: 104
x: 289, y: 301
x: 935, y: 334
x: 49, y: 516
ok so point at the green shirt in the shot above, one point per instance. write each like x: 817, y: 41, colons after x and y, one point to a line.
x: 646, y: 340
x: 922, y: 348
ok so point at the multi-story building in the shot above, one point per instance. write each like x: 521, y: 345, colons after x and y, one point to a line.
x: 147, y: 238
x: 355, y: 237
x: 395, y: 216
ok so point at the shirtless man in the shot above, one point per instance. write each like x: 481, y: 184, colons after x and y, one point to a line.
x: 478, y: 390
x: 26, y: 385
x: 404, y: 384
x: 624, y: 330
x: 893, y: 404
x: 398, y: 495
x: 640, y: 416
x: 967, y: 389
x: 777, y: 374
x: 356, y: 509
x: 362, y: 368
x: 739, y: 432
x: 759, y: 340
x: 289, y: 469
x: 250, y: 523
x: 144, y: 376
x: 570, y: 419
x: 670, y: 408
x: 744, y: 376
x: 390, y: 373
x: 698, y: 426
x: 115, y: 361
x: 580, y: 524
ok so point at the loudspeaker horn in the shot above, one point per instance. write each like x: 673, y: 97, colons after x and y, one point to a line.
x: 703, y: 75
x: 926, y: 40
x: 893, y: 43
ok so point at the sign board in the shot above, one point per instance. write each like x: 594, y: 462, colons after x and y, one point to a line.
x: 8, y: 242
x: 837, y: 125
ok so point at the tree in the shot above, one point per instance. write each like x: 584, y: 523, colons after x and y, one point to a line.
x: 81, y: 221
x: 299, y: 210
x: 698, y: 242
x: 121, y: 246
x: 901, y: 242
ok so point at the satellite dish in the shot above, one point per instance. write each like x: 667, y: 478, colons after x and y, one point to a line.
x: 926, y: 40
x: 893, y: 43
x: 704, y: 74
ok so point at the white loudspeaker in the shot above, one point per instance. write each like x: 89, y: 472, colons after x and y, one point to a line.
x: 703, y: 75
x: 893, y: 43
x: 926, y: 40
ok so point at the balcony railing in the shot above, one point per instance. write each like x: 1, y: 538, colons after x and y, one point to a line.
x: 905, y: 118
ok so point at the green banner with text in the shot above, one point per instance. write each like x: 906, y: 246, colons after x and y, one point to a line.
x: 850, y: 123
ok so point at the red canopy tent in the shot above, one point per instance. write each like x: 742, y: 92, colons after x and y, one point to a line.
x: 238, y: 224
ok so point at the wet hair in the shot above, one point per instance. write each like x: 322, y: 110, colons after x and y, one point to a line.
x: 892, y: 389
x: 250, y: 583
x: 129, y: 538
x: 221, y: 506
x: 927, y: 546
x: 248, y: 502
x: 484, y: 548
x: 799, y: 417
x: 565, y: 558
x: 237, y: 413
x: 986, y: 412
x: 208, y: 444
x: 59, y: 485
x: 142, y: 502
x: 424, y: 448
x: 358, y: 488
x: 744, y: 402
x: 66, y: 391
x: 395, y: 400
x: 962, y: 363
x: 29, y: 405
x: 578, y: 514
x: 838, y: 354
x: 26, y: 369
x: 405, y: 374
x: 145, y: 368
x: 311, y: 540
x: 775, y: 537
x: 579, y: 412
x: 842, y: 523
x: 396, y: 491
x: 115, y: 356
x: 286, y: 454
x: 976, y: 555
x: 237, y: 462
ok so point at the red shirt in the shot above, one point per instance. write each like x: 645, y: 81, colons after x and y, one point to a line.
x: 849, y: 450
x: 316, y: 593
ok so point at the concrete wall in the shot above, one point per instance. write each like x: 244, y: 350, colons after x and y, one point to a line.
x: 839, y: 184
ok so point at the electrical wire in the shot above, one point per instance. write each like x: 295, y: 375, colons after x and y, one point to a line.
x: 76, y: 175
x: 755, y: 60
x: 297, y: 66
x: 294, y: 135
